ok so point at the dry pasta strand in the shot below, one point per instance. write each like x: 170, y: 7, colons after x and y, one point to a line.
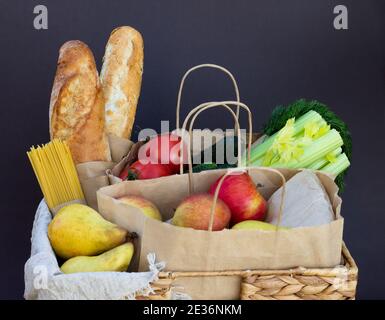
x: 56, y: 173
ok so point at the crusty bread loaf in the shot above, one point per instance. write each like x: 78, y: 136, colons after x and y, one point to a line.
x: 77, y: 104
x: 121, y: 79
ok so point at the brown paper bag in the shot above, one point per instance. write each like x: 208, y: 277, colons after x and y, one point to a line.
x: 186, y: 249
x: 128, y: 159
x: 93, y: 176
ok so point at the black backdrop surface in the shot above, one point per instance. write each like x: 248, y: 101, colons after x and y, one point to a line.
x: 278, y: 50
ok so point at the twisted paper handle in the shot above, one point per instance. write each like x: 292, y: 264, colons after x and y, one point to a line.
x: 195, y: 112
x: 188, y: 72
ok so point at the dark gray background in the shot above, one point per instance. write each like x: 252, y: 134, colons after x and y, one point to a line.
x: 278, y: 50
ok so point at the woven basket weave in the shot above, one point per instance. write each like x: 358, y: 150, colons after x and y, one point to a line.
x: 337, y: 283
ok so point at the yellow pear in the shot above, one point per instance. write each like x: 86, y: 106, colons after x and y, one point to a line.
x: 257, y: 225
x: 117, y: 259
x: 78, y: 230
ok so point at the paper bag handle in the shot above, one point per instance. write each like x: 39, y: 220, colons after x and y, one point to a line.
x: 224, y: 104
x: 206, y: 65
x: 238, y: 170
x: 202, y: 108
x: 195, y: 112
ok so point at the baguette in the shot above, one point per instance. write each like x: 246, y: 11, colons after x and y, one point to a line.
x: 121, y: 79
x: 77, y: 104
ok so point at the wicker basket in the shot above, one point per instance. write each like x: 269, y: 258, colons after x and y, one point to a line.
x: 337, y: 283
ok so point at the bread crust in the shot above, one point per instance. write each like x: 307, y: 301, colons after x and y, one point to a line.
x: 77, y: 104
x: 121, y: 79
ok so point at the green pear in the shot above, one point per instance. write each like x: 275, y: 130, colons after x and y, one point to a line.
x: 117, y: 259
x: 78, y: 230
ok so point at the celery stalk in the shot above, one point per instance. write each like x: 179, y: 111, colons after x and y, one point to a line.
x: 319, y: 148
x: 318, y: 164
x: 335, y: 168
x: 259, y: 150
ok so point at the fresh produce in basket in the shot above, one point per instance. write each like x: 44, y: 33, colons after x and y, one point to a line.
x: 256, y: 225
x: 147, y: 207
x: 78, y: 230
x: 241, y: 195
x: 164, y: 152
x: 194, y: 212
x: 117, y: 259
x: 305, y: 134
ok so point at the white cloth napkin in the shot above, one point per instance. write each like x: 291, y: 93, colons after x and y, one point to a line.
x: 44, y: 280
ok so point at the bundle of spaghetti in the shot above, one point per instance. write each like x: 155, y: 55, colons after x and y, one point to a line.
x: 56, y: 173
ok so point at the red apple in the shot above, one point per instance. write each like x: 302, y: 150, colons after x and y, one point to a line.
x: 146, y: 206
x: 194, y: 212
x: 164, y: 149
x: 240, y: 194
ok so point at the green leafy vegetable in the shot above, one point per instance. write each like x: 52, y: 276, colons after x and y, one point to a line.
x: 301, y: 108
x: 212, y: 166
x: 281, y: 114
x: 204, y: 166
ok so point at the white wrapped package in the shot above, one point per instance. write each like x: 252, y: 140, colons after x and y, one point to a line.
x: 44, y: 279
x: 306, y: 203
